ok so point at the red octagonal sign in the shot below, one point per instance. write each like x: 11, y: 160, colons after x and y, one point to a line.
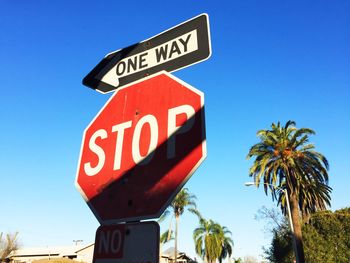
x: 141, y: 148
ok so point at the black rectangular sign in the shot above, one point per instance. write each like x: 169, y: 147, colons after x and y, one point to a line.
x: 176, y: 48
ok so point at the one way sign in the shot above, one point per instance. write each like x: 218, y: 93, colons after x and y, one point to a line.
x: 176, y: 48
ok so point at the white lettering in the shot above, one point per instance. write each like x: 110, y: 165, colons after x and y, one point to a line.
x: 89, y: 170
x: 174, y: 130
x: 119, y: 128
x: 104, y: 242
x: 153, y: 124
x: 155, y: 56
x: 110, y: 242
x: 116, y: 241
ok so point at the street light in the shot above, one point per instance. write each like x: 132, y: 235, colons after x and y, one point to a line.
x: 289, y: 213
x: 77, y: 241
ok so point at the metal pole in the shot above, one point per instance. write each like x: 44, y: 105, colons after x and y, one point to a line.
x: 295, y: 248
x: 288, y: 209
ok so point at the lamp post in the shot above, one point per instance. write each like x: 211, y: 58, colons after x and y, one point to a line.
x: 289, y: 214
x: 77, y: 241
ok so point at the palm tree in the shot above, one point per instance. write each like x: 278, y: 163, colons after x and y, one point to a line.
x: 184, y: 199
x: 164, y: 238
x: 212, y: 241
x: 226, y: 243
x: 312, y: 198
x: 207, y: 240
x: 285, y: 160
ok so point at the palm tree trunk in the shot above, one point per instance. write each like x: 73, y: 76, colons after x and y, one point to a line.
x: 297, y: 229
x: 176, y: 229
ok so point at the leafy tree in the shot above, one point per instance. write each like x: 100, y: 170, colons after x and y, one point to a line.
x: 184, y: 199
x: 326, y: 239
x: 8, y: 245
x: 281, y: 245
x: 226, y: 243
x: 281, y: 250
x: 272, y: 216
x: 316, y: 247
x: 207, y: 240
x: 166, y: 237
x: 212, y: 241
x: 285, y: 160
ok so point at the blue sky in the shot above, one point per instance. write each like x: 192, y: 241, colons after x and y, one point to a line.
x: 271, y: 61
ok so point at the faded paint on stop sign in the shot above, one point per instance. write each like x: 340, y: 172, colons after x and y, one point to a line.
x: 141, y: 148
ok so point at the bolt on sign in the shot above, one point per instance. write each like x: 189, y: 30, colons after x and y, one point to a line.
x: 131, y: 243
x: 141, y: 148
x: 176, y: 48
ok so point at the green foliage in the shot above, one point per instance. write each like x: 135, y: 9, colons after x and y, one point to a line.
x: 285, y: 160
x: 281, y: 250
x: 326, y: 239
x: 207, y: 241
x: 316, y: 248
x: 288, y: 165
x: 212, y: 241
x: 184, y: 199
x: 166, y: 237
x: 226, y: 243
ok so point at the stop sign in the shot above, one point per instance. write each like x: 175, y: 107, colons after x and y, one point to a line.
x: 141, y: 148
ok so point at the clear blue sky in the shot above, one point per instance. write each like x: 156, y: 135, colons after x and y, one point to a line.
x: 271, y: 61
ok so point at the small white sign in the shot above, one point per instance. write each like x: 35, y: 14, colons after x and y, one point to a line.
x: 127, y: 243
x: 158, y: 55
x: 181, y: 46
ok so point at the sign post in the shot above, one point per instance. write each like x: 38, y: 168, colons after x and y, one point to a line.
x: 146, y: 141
